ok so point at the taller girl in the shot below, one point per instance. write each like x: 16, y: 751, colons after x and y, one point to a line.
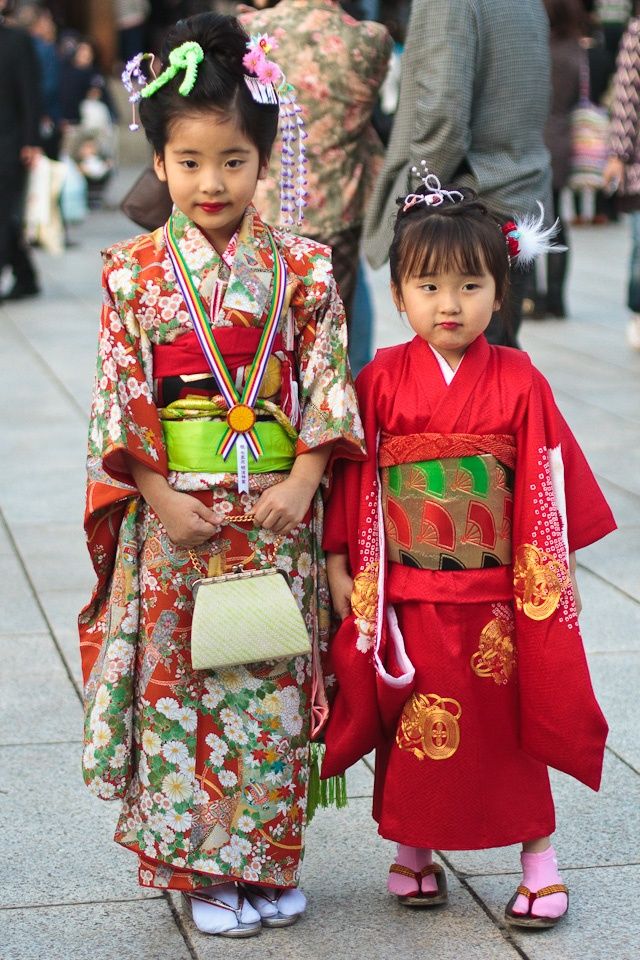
x: 212, y: 767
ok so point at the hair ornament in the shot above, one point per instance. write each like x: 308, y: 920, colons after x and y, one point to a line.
x: 267, y: 84
x: 436, y: 195
x: 134, y: 81
x: 527, y: 237
x: 186, y: 57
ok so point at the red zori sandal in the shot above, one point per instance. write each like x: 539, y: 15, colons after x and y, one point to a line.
x: 420, y: 899
x: 528, y: 919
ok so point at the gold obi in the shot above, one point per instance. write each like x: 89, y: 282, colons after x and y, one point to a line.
x: 448, y: 514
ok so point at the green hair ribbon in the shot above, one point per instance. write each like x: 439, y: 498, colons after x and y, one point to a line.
x: 185, y: 57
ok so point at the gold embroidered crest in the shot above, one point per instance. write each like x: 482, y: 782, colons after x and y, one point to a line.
x: 429, y: 726
x: 496, y: 655
x: 538, y: 582
x: 364, y: 604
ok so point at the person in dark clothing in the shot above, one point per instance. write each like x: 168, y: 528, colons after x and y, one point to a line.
x: 40, y: 25
x: 19, y: 147
x: 567, y: 57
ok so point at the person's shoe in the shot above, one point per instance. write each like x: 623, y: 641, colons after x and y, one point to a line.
x: 20, y: 291
x: 530, y: 919
x: 276, y: 908
x: 633, y: 332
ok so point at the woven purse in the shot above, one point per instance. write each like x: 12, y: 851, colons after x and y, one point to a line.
x: 245, y: 616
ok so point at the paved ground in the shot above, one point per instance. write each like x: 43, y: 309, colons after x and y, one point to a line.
x: 68, y: 891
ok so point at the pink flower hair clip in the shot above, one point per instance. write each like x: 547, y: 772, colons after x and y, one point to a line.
x: 437, y: 194
x: 267, y: 84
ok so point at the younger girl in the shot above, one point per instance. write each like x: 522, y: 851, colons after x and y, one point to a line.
x: 452, y: 562
x: 212, y: 767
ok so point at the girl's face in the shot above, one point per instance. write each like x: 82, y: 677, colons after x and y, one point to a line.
x: 449, y: 310
x: 211, y: 169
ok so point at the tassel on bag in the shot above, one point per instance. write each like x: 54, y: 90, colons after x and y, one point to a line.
x: 331, y: 792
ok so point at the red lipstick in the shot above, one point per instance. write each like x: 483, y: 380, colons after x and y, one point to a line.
x: 212, y: 207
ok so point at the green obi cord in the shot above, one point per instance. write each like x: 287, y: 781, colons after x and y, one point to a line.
x: 192, y: 445
x: 449, y: 514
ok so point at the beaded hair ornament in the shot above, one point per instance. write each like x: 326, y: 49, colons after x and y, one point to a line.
x: 526, y: 237
x: 266, y: 83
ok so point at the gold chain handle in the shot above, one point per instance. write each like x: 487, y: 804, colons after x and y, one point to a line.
x: 238, y: 518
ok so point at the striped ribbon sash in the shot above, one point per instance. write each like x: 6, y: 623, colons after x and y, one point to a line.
x: 241, y: 416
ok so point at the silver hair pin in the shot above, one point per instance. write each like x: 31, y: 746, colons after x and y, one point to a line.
x: 436, y: 195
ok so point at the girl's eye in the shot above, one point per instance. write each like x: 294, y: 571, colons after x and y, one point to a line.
x: 471, y: 286
x: 189, y: 164
x: 428, y: 287
x: 234, y: 164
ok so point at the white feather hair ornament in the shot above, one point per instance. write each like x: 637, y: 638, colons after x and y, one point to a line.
x: 527, y: 238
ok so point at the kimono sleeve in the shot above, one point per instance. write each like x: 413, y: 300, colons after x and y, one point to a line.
x: 328, y: 401
x: 340, y: 534
x: 124, y: 418
x: 588, y: 515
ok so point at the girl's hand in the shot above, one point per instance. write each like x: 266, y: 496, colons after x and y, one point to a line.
x: 282, y: 507
x: 340, y: 583
x: 187, y: 521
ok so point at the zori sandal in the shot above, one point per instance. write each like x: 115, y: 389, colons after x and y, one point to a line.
x: 269, y: 908
x: 241, y: 929
x: 528, y: 919
x: 420, y: 899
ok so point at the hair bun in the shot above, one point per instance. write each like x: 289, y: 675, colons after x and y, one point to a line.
x: 221, y: 37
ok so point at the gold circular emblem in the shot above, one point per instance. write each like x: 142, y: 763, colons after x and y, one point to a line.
x: 429, y: 726
x: 241, y: 418
x: 539, y: 580
x: 442, y: 734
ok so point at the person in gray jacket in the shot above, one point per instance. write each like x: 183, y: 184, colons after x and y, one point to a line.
x: 474, y: 99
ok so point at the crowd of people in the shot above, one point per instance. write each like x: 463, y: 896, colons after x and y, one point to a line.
x: 426, y: 518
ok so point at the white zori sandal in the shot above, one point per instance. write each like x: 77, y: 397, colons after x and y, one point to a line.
x: 277, y: 908
x: 223, y: 910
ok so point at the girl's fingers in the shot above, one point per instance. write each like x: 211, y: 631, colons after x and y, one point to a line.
x: 203, y: 512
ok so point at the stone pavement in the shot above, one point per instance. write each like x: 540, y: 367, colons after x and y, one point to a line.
x: 69, y: 893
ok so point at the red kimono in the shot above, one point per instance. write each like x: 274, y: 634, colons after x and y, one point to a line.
x: 462, y: 662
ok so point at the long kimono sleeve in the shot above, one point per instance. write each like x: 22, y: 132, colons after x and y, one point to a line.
x: 124, y: 418
x: 124, y: 421
x: 585, y: 511
x: 328, y: 401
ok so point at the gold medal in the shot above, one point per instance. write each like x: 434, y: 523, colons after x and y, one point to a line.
x: 241, y: 418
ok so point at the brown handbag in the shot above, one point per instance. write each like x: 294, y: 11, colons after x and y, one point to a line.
x: 148, y: 202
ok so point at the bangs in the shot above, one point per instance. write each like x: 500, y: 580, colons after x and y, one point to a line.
x: 443, y: 244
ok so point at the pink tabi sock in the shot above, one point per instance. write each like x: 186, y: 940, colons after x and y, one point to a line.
x: 541, y: 870
x: 415, y: 859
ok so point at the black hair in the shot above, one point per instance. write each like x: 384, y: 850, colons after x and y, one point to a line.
x: 461, y: 236
x: 219, y: 86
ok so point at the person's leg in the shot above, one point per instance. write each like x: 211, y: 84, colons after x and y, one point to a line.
x: 19, y: 258
x: 505, y: 324
x: 414, y: 859
x: 633, y: 292
x: 557, y: 265
x: 223, y: 909
x: 540, y: 874
x: 361, y: 326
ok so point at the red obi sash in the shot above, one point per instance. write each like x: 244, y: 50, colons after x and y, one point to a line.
x: 238, y: 345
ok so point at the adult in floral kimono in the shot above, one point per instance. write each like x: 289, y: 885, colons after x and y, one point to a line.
x: 212, y: 767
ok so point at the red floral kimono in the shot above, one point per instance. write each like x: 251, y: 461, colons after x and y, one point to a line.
x: 462, y: 661
x: 212, y: 767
